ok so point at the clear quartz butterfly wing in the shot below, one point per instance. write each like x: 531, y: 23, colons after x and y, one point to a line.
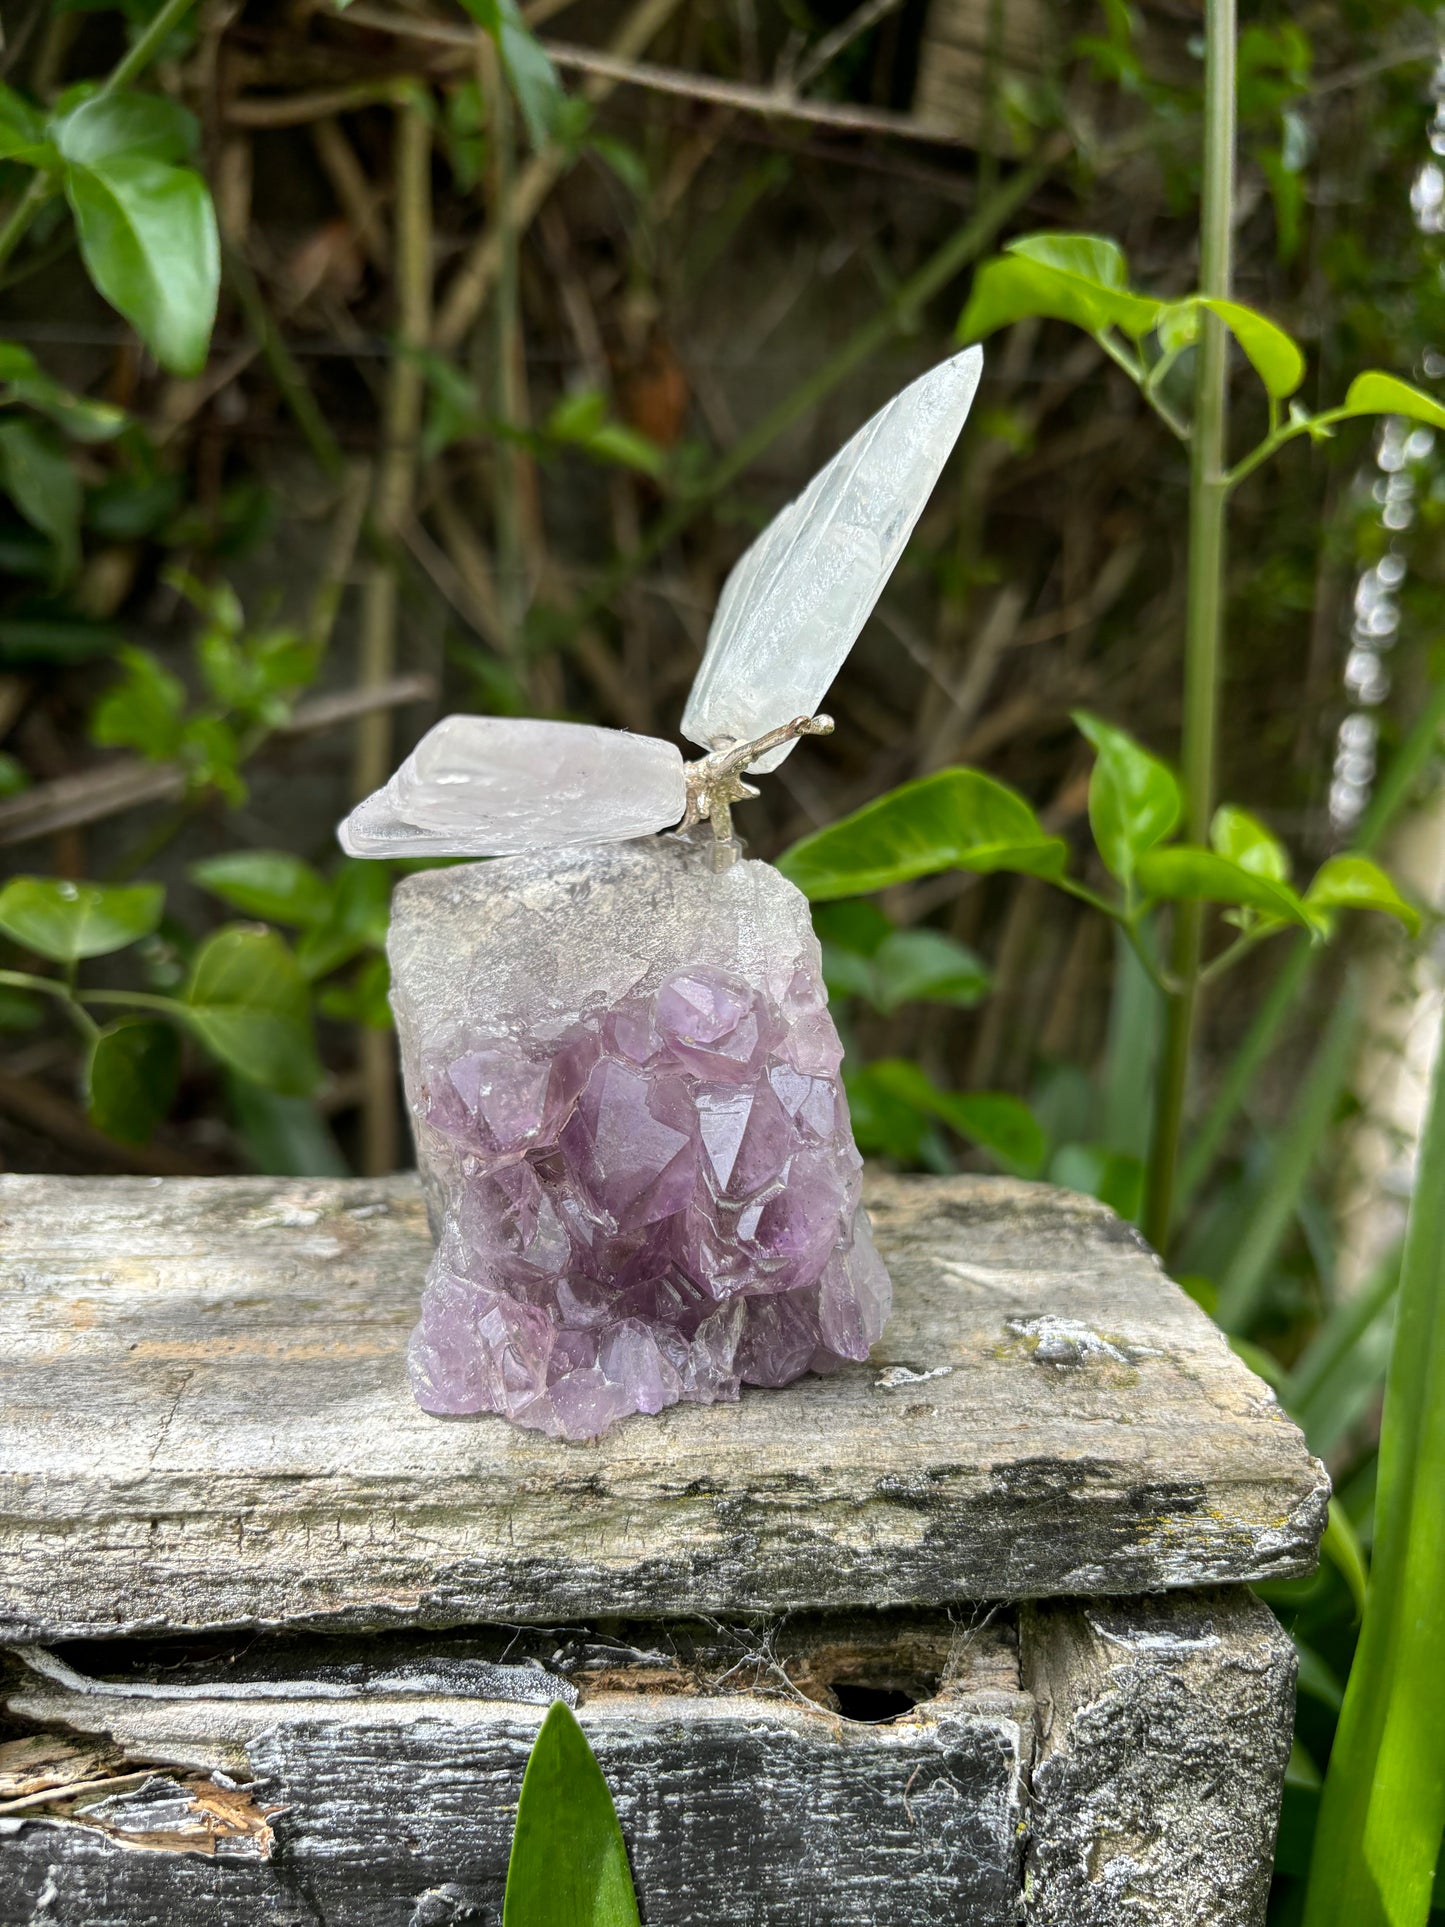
x: 499, y: 785
x: 797, y: 600
x: 789, y: 613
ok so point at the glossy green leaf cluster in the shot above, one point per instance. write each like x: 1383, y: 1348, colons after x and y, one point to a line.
x: 249, y: 680
x: 963, y: 820
x: 342, y: 921
x: 144, y: 219
x: 1084, y: 279
x: 244, y: 998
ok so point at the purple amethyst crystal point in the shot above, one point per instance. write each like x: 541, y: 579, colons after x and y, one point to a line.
x: 624, y: 1084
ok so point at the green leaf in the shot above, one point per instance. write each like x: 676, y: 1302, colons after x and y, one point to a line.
x: 926, y: 966
x: 1341, y: 1547
x: 1244, y: 840
x: 1317, y: 1680
x: 955, y: 820
x: 67, y: 921
x: 1116, y: 1178
x: 14, y: 777
x: 36, y: 474
x: 248, y: 1001
x: 1003, y: 1126
x: 1375, y: 393
x: 27, y: 383
x: 149, y: 242
x: 886, y: 1125
x: 271, y: 884
x: 282, y: 1136
x: 580, y: 420
x: 135, y: 1066
x: 530, y: 73
x: 1273, y: 355
x: 1134, y: 799
x: 1092, y: 257
x: 1069, y: 277
x: 22, y: 131
x: 144, y: 711
x: 568, y: 1866
x: 1182, y: 871
x: 357, y: 915
x: 846, y: 974
x: 363, y: 999
x: 1354, y: 883
x: 856, y: 925
x: 134, y: 126
x: 20, y: 122
x: 1177, y: 324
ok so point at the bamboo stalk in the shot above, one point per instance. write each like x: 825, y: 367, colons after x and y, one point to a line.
x: 1204, y: 624
x: 401, y: 429
x: 391, y: 507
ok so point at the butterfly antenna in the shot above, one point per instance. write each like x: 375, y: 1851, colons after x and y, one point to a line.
x: 715, y: 781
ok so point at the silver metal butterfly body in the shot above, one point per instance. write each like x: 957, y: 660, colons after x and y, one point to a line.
x: 788, y: 615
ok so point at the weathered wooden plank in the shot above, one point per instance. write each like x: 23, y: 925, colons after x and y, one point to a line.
x: 1114, y: 1761
x: 1164, y: 1731
x: 743, y: 1800
x: 204, y: 1422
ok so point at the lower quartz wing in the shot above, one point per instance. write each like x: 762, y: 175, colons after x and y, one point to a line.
x: 498, y: 786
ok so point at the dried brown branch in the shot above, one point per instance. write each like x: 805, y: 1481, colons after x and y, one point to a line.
x: 128, y: 782
x: 475, y: 279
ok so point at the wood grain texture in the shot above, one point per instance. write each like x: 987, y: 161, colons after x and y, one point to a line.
x: 743, y: 1801
x: 204, y: 1423
x: 1164, y: 1730
x: 1076, y: 1765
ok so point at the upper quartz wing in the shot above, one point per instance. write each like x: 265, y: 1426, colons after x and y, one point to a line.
x: 499, y: 785
x: 794, y: 605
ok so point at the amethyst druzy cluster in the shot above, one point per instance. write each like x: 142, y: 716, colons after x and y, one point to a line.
x: 657, y: 1201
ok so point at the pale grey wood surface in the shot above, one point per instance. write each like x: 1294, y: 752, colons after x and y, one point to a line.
x: 1085, y: 1767
x: 204, y: 1422
x: 1163, y: 1730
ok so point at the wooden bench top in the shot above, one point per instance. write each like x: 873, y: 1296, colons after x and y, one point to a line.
x: 205, y: 1423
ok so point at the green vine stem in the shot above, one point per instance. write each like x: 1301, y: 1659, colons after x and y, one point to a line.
x: 61, y: 992
x: 1209, y: 484
x: 147, y: 45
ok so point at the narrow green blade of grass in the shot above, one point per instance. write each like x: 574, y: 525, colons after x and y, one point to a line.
x: 1286, y: 995
x: 569, y: 1865
x: 1135, y: 1012
x: 1341, y: 1373
x: 1299, y: 1139
x: 1341, y: 1331
x: 1384, y: 1799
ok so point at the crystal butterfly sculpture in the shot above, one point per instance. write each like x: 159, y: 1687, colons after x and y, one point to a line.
x: 789, y: 614
x: 623, y: 1076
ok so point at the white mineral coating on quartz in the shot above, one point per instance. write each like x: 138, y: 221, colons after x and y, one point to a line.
x: 501, y: 785
x: 795, y: 603
x: 623, y: 1081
